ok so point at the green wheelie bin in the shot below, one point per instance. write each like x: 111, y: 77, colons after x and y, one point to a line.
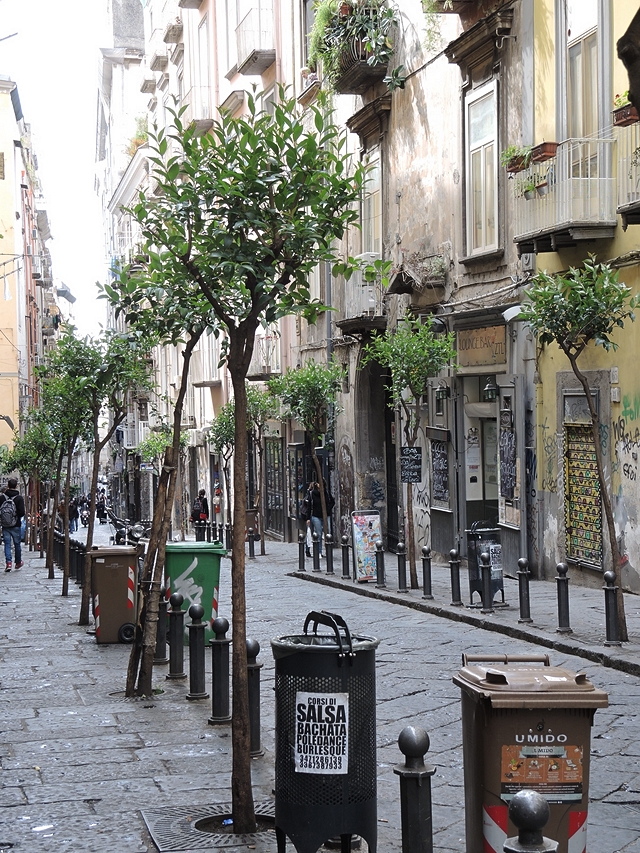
x: 193, y: 570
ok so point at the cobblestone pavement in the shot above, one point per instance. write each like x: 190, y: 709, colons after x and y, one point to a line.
x: 78, y: 761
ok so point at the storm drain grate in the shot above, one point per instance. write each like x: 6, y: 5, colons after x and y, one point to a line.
x: 174, y: 829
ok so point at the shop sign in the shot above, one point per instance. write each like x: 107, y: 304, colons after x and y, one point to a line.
x: 485, y: 346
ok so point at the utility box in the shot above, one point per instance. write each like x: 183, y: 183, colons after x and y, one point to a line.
x: 114, y: 586
x: 525, y: 724
x: 484, y: 540
x: 325, y: 770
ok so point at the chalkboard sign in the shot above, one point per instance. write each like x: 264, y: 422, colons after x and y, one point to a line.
x: 440, y: 471
x: 507, y: 463
x: 411, y: 464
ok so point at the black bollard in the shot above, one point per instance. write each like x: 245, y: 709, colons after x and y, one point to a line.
x: 253, y: 673
x: 415, y: 791
x: 564, y: 626
x: 529, y: 811
x: 380, y: 584
x: 208, y: 529
x: 328, y: 544
x: 219, y: 673
x: 523, y: 590
x: 315, y: 548
x: 401, y: 551
x: 454, y: 569
x: 176, y: 638
x: 252, y: 544
x: 73, y: 551
x: 160, y: 656
x: 487, y: 592
x: 611, y: 609
x: 196, y: 654
x: 346, y: 571
x: 200, y: 530
x: 302, y: 538
x: 426, y: 573
x: 221, y: 532
x: 82, y: 551
x: 227, y: 537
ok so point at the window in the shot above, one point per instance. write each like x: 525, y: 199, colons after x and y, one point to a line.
x: 202, y: 93
x: 308, y: 17
x: 481, y: 169
x: 371, y: 214
x: 582, y: 68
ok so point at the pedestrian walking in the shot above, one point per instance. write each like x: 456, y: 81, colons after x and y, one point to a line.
x: 316, y: 521
x: 73, y: 516
x: 200, y: 508
x: 11, y: 513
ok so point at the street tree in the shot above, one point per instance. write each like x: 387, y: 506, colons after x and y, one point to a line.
x: 414, y: 354
x: 119, y: 367
x: 153, y: 304
x: 241, y: 215
x: 32, y: 456
x: 65, y: 409
x: 577, y: 310
x: 309, y: 394
x: 261, y: 408
x: 222, y: 438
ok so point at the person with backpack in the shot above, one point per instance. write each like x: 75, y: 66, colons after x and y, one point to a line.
x: 11, y: 512
x: 200, y: 508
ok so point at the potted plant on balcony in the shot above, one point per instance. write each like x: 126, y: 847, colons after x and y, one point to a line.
x: 346, y: 35
x: 516, y: 158
x: 624, y: 113
x: 543, y: 151
x: 528, y: 189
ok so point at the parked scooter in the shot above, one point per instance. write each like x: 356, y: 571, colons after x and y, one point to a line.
x: 126, y: 533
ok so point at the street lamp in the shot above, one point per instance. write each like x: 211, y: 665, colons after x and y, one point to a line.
x: 490, y: 391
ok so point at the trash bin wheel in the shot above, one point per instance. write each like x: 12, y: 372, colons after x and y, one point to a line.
x: 126, y: 632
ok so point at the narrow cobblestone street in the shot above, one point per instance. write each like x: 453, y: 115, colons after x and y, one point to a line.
x: 79, y: 761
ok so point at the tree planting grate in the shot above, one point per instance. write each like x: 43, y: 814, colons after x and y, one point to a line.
x: 175, y: 829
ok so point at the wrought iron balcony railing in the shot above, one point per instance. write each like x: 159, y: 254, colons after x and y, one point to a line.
x: 569, y: 198
x: 255, y: 41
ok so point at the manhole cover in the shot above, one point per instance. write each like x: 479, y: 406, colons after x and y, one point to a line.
x: 175, y: 828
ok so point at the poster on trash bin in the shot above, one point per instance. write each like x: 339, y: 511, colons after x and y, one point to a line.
x: 322, y: 733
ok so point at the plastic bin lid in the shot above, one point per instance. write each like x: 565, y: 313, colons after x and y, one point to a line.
x: 526, y: 685
x: 113, y: 551
x: 215, y: 547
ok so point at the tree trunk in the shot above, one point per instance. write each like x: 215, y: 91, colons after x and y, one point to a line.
x: 604, y: 494
x: 411, y: 537
x: 243, y: 811
x: 83, y: 619
x: 143, y: 650
x: 67, y: 492
x: 323, y: 502
x: 54, y: 512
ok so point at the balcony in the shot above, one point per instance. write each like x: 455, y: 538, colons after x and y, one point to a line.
x: 254, y: 36
x: 198, y: 109
x: 265, y: 361
x: 356, y: 74
x: 364, y: 305
x: 629, y: 174
x: 574, y: 201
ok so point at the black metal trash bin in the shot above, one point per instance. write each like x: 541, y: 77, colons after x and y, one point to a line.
x: 481, y: 540
x: 325, y: 772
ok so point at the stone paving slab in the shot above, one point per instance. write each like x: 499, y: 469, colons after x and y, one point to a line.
x: 102, y: 759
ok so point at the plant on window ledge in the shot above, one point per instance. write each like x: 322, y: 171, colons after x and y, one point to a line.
x: 345, y: 32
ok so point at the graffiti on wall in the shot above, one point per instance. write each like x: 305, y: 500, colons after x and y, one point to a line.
x: 549, y: 450
x: 345, y: 487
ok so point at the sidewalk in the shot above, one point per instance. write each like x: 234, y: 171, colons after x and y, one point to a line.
x: 586, y: 610
x: 81, y: 764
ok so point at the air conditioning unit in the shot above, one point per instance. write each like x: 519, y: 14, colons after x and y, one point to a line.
x: 196, y: 438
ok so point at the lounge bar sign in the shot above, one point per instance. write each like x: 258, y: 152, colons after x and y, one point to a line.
x: 482, y: 346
